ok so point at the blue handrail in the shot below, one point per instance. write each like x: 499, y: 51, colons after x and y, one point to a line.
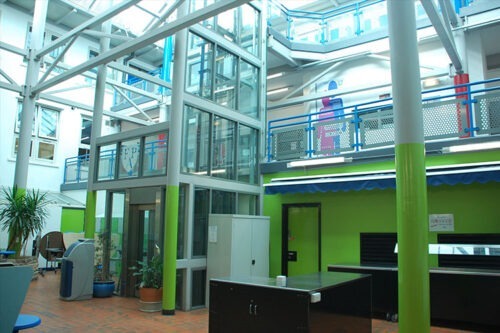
x: 354, y: 113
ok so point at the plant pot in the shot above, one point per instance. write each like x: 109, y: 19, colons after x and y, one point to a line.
x: 150, y: 299
x: 104, y: 288
x: 150, y: 294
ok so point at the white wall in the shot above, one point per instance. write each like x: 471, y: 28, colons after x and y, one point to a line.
x: 42, y: 174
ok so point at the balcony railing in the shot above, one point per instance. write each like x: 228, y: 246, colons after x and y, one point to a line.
x: 337, y: 24
x: 454, y: 112
x: 153, y: 161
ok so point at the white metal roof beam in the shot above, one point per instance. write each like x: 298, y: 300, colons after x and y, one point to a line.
x: 11, y: 87
x: 444, y: 33
x: 104, y: 16
x: 139, y: 74
x: 100, y: 34
x: 165, y: 15
x: 142, y: 41
x: 13, y: 49
x: 90, y: 108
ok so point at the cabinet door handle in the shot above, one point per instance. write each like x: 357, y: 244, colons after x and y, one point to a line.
x: 250, y: 309
x: 255, y: 310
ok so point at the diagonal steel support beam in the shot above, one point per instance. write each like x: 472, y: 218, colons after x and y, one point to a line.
x: 140, y: 42
x: 166, y: 14
x: 56, y: 61
x: 8, y: 78
x: 104, y: 16
x: 128, y: 99
x: 444, y: 33
x: 449, y: 13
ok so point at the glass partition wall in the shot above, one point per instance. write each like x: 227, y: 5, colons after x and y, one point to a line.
x: 223, y: 120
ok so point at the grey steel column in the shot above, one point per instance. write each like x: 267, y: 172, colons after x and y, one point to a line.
x: 100, y: 90
x: 32, y: 71
x: 173, y: 168
x: 411, y: 186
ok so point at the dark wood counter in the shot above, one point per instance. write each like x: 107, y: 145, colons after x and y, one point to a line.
x: 321, y: 302
x: 464, y: 298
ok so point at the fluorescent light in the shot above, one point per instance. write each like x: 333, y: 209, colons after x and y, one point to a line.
x: 320, y: 161
x: 275, y: 75
x: 472, y: 147
x: 431, y: 82
x: 277, y: 91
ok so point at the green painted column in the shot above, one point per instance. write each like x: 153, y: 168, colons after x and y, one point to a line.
x: 411, y: 186
x: 89, y: 219
x: 170, y: 248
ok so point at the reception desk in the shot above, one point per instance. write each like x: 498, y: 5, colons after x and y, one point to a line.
x: 320, y: 302
x: 463, y: 298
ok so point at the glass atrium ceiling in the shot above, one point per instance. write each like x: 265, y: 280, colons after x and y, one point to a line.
x: 140, y: 17
x: 136, y: 19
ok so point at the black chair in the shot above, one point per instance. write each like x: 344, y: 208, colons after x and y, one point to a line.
x: 52, y: 248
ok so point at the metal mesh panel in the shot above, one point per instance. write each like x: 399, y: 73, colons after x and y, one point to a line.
x: 487, y: 114
x: 333, y: 137
x: 377, y: 129
x: 443, y: 119
x: 289, y: 143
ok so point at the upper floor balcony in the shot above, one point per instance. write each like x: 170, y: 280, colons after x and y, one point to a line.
x: 452, y: 115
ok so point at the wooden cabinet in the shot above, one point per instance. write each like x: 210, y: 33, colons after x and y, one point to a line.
x: 321, y: 302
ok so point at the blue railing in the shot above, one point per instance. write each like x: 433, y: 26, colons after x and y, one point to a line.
x: 154, y: 157
x: 76, y: 169
x: 142, y: 84
x: 453, y: 112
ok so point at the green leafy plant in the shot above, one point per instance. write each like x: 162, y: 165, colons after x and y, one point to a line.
x: 22, y: 214
x: 151, y: 272
x: 103, y: 248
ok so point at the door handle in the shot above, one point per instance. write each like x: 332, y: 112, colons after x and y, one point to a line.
x: 252, y: 309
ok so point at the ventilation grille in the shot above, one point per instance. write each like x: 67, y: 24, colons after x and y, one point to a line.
x: 469, y: 261
x: 378, y: 249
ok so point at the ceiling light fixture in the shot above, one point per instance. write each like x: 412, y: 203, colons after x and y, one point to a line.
x: 275, y: 75
x: 277, y: 91
x: 431, y: 82
x: 320, y: 161
x: 472, y: 147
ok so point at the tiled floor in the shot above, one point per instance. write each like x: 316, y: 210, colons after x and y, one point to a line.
x: 118, y: 314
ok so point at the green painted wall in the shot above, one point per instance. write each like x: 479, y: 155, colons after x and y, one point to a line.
x: 72, y: 220
x: 346, y: 214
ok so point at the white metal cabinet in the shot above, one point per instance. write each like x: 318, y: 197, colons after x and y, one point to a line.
x: 238, y: 245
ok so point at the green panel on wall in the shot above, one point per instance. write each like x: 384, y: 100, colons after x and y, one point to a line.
x: 345, y: 215
x: 72, y: 219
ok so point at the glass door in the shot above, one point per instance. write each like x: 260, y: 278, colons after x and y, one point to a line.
x: 144, y: 240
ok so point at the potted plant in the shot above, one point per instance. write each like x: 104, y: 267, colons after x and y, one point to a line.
x: 104, y: 285
x: 22, y: 214
x: 151, y: 282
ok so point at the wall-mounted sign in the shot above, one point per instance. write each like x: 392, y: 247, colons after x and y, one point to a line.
x: 441, y: 222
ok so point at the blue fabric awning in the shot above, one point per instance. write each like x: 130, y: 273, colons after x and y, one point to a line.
x: 450, y: 175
